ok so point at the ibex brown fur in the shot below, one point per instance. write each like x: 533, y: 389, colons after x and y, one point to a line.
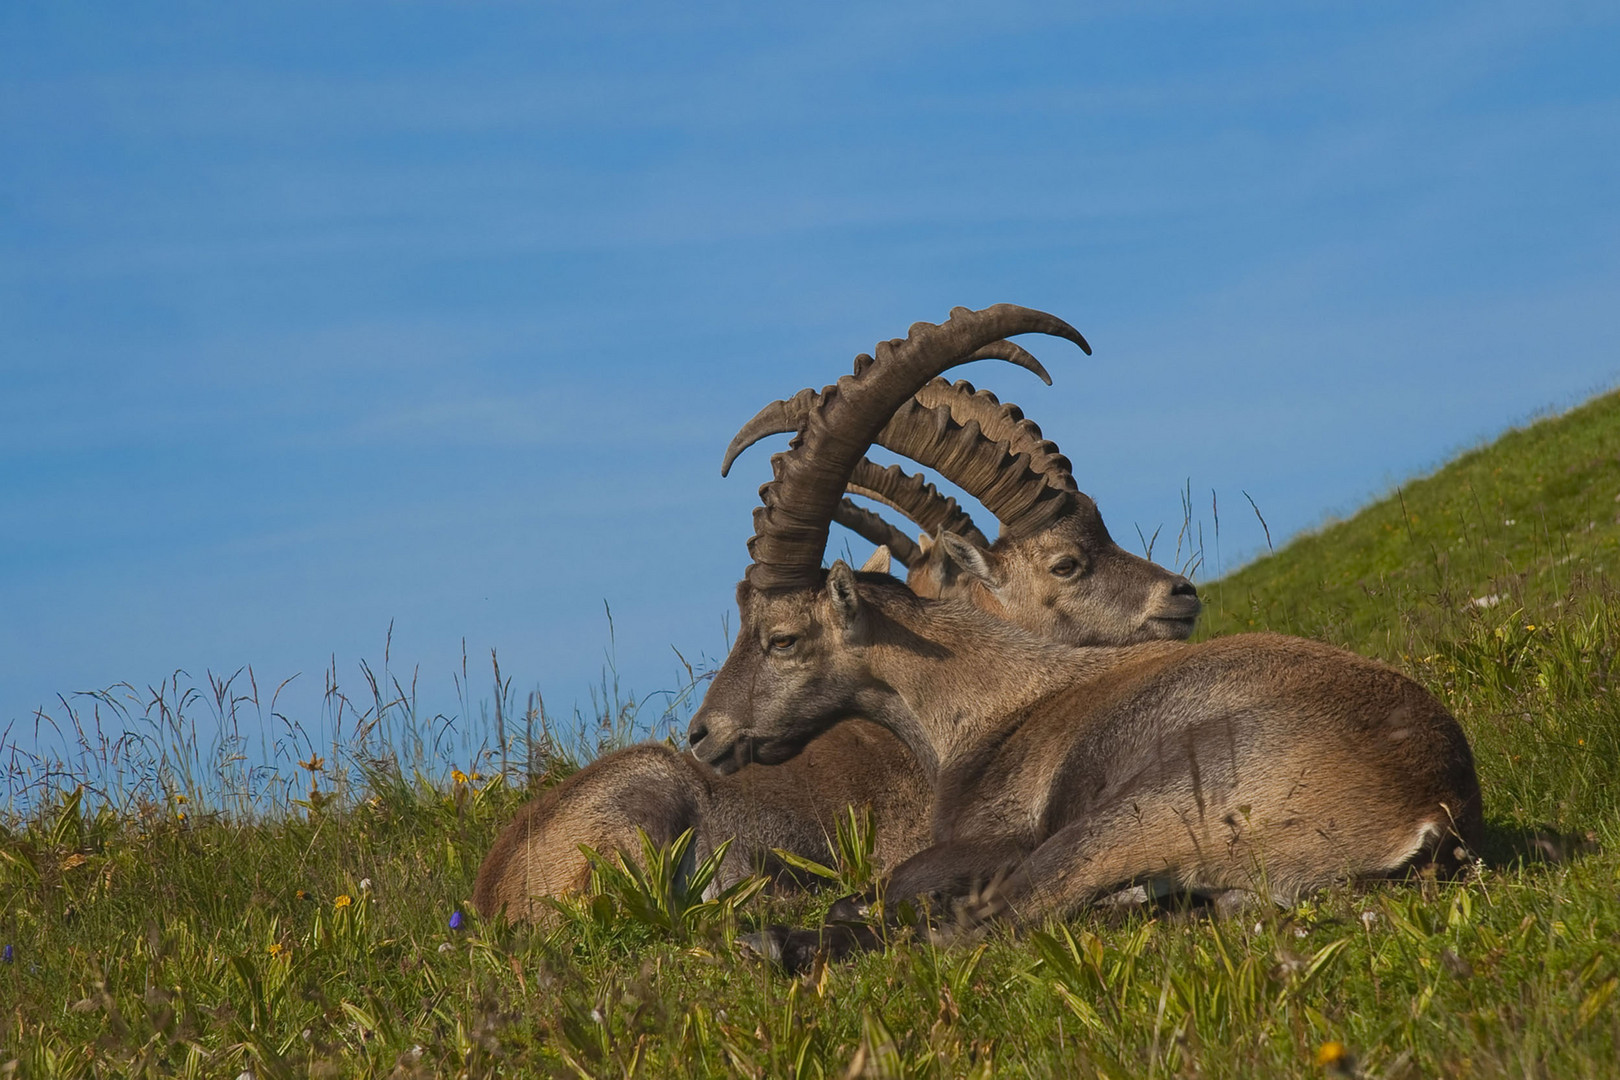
x: 796, y: 806
x: 1068, y: 580
x: 1065, y: 773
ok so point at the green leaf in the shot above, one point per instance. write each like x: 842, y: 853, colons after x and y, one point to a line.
x: 809, y: 866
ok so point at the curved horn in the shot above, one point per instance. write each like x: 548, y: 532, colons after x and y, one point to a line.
x: 777, y: 418
x: 1004, y: 478
x: 787, y: 417
x: 868, y: 525
x: 916, y: 498
x: 1002, y: 423
x: 790, y: 529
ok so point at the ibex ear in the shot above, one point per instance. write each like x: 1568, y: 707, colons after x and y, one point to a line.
x: 842, y: 596
x: 969, y: 559
x: 879, y: 562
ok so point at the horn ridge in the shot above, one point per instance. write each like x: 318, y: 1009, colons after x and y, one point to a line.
x: 1003, y: 423
x: 774, y: 419
x: 1021, y: 496
x: 791, y: 528
x: 916, y: 498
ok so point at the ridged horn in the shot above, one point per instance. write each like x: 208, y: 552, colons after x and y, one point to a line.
x: 1023, y: 498
x: 872, y: 527
x: 915, y: 497
x: 790, y: 529
x: 787, y: 417
x: 1002, y: 423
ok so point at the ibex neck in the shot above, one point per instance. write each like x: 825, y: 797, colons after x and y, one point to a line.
x: 945, y: 673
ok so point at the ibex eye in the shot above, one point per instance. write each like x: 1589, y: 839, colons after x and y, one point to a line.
x: 1066, y: 567
x: 783, y: 642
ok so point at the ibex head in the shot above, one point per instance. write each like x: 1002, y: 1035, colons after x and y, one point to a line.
x: 801, y: 647
x: 797, y: 651
x: 1055, y: 572
x: 1069, y: 582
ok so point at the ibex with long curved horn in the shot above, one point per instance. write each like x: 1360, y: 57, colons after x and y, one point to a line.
x: 794, y: 807
x: 1065, y: 773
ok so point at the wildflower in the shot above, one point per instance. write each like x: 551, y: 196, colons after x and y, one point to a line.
x: 181, y: 799
x: 343, y: 901
x: 276, y: 950
x: 7, y: 955
x: 1335, y: 1058
x: 365, y: 884
x: 315, y: 763
x: 1368, y: 918
x: 445, y: 947
x: 455, y: 920
x: 302, y: 894
x: 458, y: 776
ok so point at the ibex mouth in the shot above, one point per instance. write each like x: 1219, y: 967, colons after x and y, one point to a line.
x: 726, y: 757
x: 1173, y: 626
x: 708, y: 748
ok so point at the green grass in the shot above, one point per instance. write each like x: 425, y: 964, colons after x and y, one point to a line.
x: 314, y: 939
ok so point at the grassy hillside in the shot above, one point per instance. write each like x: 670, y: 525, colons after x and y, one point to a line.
x: 169, y: 936
x: 1530, y: 519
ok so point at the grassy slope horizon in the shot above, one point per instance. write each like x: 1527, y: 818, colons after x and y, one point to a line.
x: 175, y: 938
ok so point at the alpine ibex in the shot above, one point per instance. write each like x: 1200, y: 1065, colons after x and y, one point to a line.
x: 960, y: 431
x: 1062, y: 773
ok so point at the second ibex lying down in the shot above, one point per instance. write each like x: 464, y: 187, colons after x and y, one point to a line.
x: 1063, y: 773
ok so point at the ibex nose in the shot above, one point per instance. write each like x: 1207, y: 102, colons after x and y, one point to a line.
x: 1183, y: 587
x: 696, y: 732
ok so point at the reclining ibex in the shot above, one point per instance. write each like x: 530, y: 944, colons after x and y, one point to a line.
x: 794, y: 807
x: 1065, y: 773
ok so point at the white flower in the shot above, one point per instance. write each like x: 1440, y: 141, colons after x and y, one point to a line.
x: 365, y: 884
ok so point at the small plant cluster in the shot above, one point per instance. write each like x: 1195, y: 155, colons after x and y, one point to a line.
x: 315, y: 922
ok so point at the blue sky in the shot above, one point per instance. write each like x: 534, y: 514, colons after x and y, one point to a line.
x: 320, y: 317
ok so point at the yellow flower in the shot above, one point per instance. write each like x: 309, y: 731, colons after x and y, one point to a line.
x: 1331, y: 1053
x: 343, y: 901
x: 302, y: 894
x: 276, y: 950
x: 458, y: 776
x: 181, y: 799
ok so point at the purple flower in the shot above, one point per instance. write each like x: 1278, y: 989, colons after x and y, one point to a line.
x: 7, y: 955
x: 455, y: 921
